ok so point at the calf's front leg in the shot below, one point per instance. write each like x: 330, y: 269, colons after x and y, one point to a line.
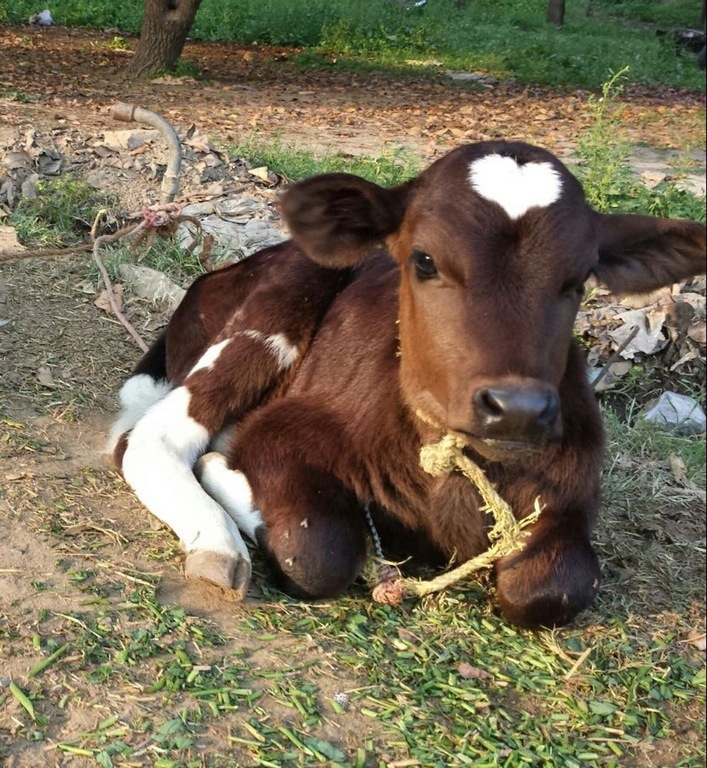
x: 308, y: 523
x: 157, y: 463
x: 557, y: 574
x: 552, y: 579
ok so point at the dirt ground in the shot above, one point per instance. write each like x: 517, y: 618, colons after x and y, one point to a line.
x: 65, y: 513
x: 72, y: 77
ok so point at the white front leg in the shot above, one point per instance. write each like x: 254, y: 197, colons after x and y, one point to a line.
x: 230, y: 488
x: 158, y: 461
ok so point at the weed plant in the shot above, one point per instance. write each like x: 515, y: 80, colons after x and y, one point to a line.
x: 609, y: 183
x: 60, y: 214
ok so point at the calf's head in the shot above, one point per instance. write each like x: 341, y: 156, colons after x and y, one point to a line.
x: 495, y: 242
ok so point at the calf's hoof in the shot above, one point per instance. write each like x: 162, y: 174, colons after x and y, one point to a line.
x: 225, y: 571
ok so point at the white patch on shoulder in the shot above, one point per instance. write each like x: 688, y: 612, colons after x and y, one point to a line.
x: 285, y: 352
x: 277, y: 343
x: 516, y: 188
x: 209, y: 358
x: 230, y: 488
x: 137, y: 396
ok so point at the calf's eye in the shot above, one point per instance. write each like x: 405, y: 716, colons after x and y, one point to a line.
x: 425, y: 268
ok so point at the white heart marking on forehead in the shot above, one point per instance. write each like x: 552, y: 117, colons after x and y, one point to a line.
x: 516, y: 188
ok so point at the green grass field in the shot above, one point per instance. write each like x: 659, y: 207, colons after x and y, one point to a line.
x: 508, y: 38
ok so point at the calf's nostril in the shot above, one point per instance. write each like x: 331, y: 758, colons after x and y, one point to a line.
x: 517, y: 412
x: 490, y: 402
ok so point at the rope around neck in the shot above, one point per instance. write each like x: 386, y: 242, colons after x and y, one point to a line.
x: 506, y: 536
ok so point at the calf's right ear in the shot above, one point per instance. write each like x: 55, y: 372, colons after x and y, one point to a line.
x: 337, y: 218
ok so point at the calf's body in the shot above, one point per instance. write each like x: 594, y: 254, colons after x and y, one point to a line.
x: 290, y: 394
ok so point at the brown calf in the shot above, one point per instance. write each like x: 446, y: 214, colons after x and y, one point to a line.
x: 299, y: 385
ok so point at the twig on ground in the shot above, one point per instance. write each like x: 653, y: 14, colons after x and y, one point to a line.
x: 98, y: 243
x: 159, y: 221
x: 614, y: 358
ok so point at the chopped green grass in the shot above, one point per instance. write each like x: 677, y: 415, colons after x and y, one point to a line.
x: 443, y: 681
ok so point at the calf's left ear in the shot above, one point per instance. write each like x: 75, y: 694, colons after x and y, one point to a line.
x: 337, y: 218
x: 639, y: 254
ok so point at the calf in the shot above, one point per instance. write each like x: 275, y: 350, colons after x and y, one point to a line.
x: 291, y: 393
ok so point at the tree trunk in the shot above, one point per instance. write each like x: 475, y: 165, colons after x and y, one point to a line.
x: 164, y: 31
x: 556, y: 12
x: 703, y: 13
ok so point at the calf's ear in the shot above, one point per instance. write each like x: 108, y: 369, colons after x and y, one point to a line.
x: 639, y: 254
x: 337, y: 218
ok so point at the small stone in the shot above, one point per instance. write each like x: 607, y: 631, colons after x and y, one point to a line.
x: 342, y: 699
x: 49, y: 162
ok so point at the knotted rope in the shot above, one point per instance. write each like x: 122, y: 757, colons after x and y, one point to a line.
x: 158, y: 221
x: 506, y: 536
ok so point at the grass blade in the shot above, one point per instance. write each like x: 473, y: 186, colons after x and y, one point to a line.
x: 22, y: 698
x: 44, y: 663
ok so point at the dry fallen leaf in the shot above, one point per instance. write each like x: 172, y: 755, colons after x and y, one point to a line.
x: 697, y: 638
x: 677, y: 467
x: 469, y: 672
x: 620, y: 368
x: 409, y: 637
x: 692, y: 354
x: 648, y: 340
x: 8, y: 240
x: 45, y: 377
x: 679, y: 471
x: 263, y: 174
x: 103, y: 300
x: 698, y: 332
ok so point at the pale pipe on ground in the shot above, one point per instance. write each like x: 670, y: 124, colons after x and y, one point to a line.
x: 129, y: 113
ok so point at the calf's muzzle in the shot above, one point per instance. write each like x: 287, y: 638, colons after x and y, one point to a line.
x: 526, y: 413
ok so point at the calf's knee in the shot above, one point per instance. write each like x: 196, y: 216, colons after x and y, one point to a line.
x: 547, y: 584
x: 314, y: 557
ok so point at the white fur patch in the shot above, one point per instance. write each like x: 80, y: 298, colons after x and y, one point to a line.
x: 277, y: 343
x: 232, y: 491
x: 137, y: 396
x: 209, y: 358
x: 516, y: 188
x: 157, y: 464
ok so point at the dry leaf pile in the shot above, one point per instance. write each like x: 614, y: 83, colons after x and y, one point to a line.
x: 662, y: 330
